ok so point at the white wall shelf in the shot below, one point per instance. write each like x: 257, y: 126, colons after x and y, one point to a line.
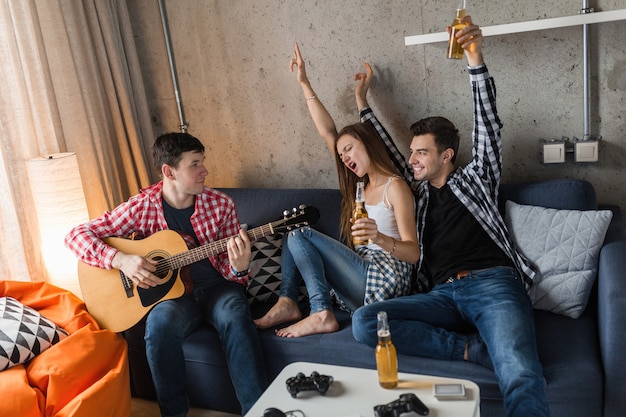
x: 528, y: 26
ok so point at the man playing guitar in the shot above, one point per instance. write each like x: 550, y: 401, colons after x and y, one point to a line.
x: 181, y: 201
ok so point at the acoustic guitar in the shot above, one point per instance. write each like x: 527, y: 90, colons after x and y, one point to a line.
x: 117, y: 304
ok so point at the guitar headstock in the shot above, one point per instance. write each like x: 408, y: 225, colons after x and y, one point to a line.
x: 298, y: 217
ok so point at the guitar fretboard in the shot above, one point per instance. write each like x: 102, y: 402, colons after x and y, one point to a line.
x: 205, y: 251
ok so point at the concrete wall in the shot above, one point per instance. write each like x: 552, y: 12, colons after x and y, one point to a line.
x: 241, y: 100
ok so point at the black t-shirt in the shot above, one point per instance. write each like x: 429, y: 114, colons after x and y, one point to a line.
x: 454, y: 241
x: 202, y: 273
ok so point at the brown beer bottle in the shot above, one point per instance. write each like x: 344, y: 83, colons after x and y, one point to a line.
x: 455, y: 51
x: 359, y: 210
x: 386, y: 357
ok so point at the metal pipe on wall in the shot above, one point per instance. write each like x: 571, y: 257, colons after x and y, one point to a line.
x: 586, y: 117
x: 168, y: 44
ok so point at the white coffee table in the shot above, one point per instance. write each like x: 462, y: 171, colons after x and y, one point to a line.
x: 355, y: 392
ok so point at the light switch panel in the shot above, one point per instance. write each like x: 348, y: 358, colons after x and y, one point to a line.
x: 553, y: 153
x: 586, y: 151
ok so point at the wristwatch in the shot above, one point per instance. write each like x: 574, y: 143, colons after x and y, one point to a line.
x: 240, y: 273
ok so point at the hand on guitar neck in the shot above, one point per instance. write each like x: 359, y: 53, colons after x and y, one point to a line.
x: 239, y: 251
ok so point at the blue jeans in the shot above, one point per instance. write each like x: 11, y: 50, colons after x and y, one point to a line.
x: 323, y: 263
x: 436, y: 325
x: 225, y: 307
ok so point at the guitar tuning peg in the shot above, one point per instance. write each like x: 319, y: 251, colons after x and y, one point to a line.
x: 301, y: 207
x: 285, y: 213
x: 295, y: 210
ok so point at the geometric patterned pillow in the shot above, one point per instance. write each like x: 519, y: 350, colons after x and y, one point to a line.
x: 24, y: 333
x: 565, y: 247
x: 265, y: 277
x: 264, y: 283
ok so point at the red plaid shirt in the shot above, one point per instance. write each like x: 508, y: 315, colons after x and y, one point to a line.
x: 214, y: 218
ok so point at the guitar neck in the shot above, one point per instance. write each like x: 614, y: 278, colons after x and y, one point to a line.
x: 210, y: 249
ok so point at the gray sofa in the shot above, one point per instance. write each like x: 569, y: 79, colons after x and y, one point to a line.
x: 583, y: 359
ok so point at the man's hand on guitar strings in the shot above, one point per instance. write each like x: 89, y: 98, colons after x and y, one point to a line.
x: 140, y: 270
x: 239, y: 251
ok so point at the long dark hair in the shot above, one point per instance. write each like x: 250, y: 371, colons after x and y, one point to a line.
x: 366, y: 134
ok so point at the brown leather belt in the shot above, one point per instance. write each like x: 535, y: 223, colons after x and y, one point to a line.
x: 462, y: 274
x: 458, y: 275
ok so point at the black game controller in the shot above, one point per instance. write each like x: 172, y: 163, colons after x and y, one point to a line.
x: 404, y: 404
x: 317, y: 382
x: 273, y: 412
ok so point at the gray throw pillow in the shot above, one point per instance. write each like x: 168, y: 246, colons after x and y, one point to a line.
x: 565, y: 246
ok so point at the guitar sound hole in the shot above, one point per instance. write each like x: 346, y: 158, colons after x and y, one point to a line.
x: 162, y: 270
x: 164, y: 267
x: 152, y: 295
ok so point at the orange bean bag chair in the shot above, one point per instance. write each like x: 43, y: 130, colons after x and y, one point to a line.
x: 84, y: 375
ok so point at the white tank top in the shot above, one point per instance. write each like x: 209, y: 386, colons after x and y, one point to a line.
x: 384, y: 215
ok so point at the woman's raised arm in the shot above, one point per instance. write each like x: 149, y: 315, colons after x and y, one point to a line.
x: 323, y: 121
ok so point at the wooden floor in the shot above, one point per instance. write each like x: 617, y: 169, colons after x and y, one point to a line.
x: 145, y: 408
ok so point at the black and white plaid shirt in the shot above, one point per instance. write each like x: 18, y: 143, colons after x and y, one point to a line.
x: 475, y: 185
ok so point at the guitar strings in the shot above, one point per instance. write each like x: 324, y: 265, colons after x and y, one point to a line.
x: 201, y: 252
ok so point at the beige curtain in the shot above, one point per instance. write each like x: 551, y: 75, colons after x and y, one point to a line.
x: 69, y: 82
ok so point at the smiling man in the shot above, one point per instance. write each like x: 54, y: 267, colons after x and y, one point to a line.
x: 473, y: 303
x: 181, y: 202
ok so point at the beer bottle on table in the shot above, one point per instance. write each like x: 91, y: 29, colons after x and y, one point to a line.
x: 386, y: 357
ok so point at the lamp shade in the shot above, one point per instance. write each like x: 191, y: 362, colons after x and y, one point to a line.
x: 60, y: 205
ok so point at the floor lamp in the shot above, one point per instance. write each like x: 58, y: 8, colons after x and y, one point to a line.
x: 60, y: 205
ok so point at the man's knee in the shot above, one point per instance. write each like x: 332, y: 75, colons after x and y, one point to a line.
x: 164, y: 318
x: 232, y: 312
x: 362, y: 328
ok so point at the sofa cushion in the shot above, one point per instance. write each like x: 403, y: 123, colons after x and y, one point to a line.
x: 24, y: 333
x: 564, y: 245
x: 257, y: 206
x: 568, y: 194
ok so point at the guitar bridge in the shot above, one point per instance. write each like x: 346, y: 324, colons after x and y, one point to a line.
x: 127, y: 284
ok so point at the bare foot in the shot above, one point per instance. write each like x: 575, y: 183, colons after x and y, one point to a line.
x: 321, y: 322
x: 285, y: 310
